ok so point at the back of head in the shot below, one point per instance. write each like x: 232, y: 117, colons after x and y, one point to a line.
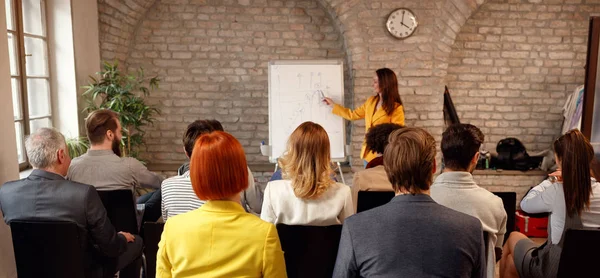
x: 218, y: 168
x: 409, y: 160
x: 460, y: 142
x: 307, y: 160
x: 377, y: 137
x: 388, y: 85
x: 575, y: 154
x: 196, y: 129
x: 42, y: 147
x: 98, y: 123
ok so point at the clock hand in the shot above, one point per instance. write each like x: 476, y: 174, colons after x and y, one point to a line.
x: 404, y: 24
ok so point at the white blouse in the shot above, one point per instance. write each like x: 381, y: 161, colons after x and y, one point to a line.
x: 280, y: 205
x: 550, y: 197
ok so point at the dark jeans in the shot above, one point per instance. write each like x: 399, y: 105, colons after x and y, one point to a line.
x: 151, y: 203
x: 128, y: 263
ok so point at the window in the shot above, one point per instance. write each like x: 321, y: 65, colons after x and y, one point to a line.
x: 30, y: 78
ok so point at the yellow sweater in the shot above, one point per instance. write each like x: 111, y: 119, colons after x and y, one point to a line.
x: 372, y: 118
x: 219, y: 239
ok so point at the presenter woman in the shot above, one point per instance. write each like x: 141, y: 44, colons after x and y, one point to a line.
x: 384, y: 107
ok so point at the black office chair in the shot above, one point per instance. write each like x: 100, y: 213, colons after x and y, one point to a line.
x: 120, y: 209
x: 47, y: 249
x: 372, y: 199
x: 509, y: 199
x: 152, y: 233
x: 580, y: 253
x: 309, y: 251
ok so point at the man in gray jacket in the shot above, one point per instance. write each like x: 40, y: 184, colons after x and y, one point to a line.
x: 47, y: 195
x: 411, y: 236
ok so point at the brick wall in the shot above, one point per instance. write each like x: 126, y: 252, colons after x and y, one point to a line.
x: 213, y: 63
x: 513, y: 64
x: 509, y: 63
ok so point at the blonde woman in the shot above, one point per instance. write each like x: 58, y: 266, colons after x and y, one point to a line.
x: 307, y: 195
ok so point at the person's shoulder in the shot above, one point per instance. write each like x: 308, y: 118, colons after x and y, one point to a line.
x: 176, y: 180
x: 341, y: 187
x: 458, y: 218
x: 279, y: 185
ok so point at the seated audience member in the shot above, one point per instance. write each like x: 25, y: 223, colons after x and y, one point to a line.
x: 411, y: 236
x: 456, y: 189
x: 180, y: 187
x: 307, y: 195
x: 376, y: 140
x: 47, y: 195
x: 219, y: 239
x: 104, y: 168
x: 573, y: 202
x: 374, y: 178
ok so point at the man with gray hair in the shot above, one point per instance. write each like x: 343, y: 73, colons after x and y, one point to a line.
x: 47, y: 195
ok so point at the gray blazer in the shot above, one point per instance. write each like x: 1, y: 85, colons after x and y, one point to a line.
x: 411, y: 236
x: 48, y: 196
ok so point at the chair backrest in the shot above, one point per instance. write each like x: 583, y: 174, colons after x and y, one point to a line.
x: 509, y: 199
x: 120, y: 209
x: 152, y: 233
x: 372, y: 199
x: 47, y: 249
x: 309, y: 251
x: 580, y: 253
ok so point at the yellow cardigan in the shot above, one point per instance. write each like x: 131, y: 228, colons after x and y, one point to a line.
x: 219, y: 239
x: 372, y: 118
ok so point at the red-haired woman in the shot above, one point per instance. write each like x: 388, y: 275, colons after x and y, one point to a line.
x: 219, y: 239
x: 573, y: 201
x: 384, y: 107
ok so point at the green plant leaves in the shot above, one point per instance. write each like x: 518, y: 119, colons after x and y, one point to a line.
x: 124, y: 94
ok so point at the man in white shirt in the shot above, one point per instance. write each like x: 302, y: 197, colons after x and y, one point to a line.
x: 456, y: 189
x: 179, y: 197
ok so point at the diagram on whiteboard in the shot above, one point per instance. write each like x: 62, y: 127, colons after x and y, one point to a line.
x: 296, y: 95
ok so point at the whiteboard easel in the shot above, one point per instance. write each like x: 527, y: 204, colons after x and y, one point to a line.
x: 296, y: 90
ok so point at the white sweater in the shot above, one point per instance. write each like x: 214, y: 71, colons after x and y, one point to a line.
x: 280, y: 205
x: 550, y: 197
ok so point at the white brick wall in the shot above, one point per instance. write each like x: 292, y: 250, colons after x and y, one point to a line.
x: 513, y: 64
x: 507, y: 66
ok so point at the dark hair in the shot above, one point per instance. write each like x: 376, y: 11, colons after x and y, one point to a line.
x: 196, y: 129
x: 377, y: 137
x: 575, y: 154
x: 388, y: 86
x: 98, y: 123
x: 460, y: 142
x: 409, y: 159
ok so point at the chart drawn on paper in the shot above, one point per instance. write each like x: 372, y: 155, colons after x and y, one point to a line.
x: 296, y: 93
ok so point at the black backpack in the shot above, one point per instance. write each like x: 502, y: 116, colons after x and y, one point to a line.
x: 512, y: 155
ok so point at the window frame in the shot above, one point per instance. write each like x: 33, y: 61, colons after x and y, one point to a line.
x: 21, y: 75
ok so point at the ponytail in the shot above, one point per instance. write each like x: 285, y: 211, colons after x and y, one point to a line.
x: 575, y: 154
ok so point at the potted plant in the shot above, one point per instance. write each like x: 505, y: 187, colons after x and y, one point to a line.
x: 124, y: 93
x: 77, y: 146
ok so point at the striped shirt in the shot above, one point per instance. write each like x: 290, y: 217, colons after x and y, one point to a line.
x: 178, y: 196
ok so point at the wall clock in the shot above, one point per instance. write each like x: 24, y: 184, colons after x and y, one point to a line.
x: 402, y: 23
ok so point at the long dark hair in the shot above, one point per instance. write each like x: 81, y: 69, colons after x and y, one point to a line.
x: 388, y: 86
x: 575, y: 154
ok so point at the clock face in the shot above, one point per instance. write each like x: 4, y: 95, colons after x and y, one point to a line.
x: 402, y: 23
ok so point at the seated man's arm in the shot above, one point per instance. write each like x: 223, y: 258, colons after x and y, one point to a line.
x: 345, y: 264
x: 142, y: 175
x: 101, y: 231
x: 501, y: 232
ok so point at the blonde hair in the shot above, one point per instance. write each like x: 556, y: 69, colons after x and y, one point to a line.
x: 409, y: 160
x: 307, y: 161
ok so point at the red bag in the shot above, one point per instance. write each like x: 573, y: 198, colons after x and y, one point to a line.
x: 531, y: 226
